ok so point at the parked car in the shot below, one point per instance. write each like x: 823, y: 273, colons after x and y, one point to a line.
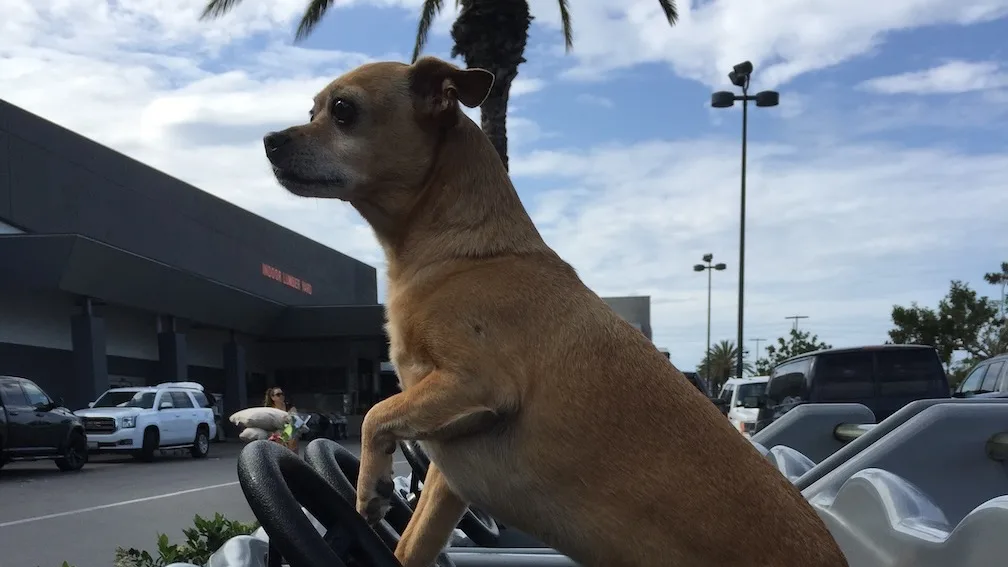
x: 884, y: 378
x: 142, y: 420
x: 215, y: 403
x: 733, y: 394
x: 33, y: 426
x: 988, y: 379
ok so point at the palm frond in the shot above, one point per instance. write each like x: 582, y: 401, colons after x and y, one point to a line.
x: 671, y: 12
x: 430, y: 9
x: 314, y: 13
x: 565, y: 25
x: 217, y: 8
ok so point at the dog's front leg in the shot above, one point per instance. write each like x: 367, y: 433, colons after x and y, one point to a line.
x: 437, y: 513
x: 439, y: 406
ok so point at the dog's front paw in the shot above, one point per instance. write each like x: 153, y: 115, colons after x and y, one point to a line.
x: 374, y: 504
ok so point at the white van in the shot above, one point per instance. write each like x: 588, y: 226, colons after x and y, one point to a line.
x: 734, y: 392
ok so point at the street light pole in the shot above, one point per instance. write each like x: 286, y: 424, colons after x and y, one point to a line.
x: 708, y: 267
x: 739, y: 76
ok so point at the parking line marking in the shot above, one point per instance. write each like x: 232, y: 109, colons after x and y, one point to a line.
x: 114, y: 504
x: 127, y: 503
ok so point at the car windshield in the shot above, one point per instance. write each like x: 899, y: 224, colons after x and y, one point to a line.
x: 126, y: 399
x: 749, y: 390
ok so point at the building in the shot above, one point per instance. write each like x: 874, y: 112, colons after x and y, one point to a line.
x: 114, y: 273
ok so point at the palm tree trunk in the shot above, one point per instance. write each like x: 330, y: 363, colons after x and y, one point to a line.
x: 492, y: 34
x: 493, y: 112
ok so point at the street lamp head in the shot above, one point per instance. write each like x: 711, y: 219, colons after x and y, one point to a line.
x: 719, y: 267
x: 767, y: 98
x: 708, y: 257
x: 739, y: 75
x: 722, y: 99
x: 699, y: 267
x: 743, y: 68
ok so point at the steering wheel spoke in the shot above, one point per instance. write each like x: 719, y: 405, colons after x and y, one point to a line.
x: 337, y: 465
x: 277, y: 483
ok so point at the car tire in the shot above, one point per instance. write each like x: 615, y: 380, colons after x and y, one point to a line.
x: 201, y: 445
x: 151, y: 439
x: 75, y: 456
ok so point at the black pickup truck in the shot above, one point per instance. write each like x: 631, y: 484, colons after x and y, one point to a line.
x: 34, y: 427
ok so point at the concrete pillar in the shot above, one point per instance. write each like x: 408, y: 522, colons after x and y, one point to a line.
x: 235, y: 383
x: 174, y: 360
x: 90, y: 362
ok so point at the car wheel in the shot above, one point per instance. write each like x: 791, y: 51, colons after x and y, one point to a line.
x: 201, y: 445
x: 76, y: 453
x: 151, y: 439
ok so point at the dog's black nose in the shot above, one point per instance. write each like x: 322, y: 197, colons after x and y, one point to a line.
x: 275, y: 140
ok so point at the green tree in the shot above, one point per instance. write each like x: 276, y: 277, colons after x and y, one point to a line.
x: 1000, y: 279
x: 963, y: 323
x: 797, y: 342
x: 490, y: 34
x: 719, y: 365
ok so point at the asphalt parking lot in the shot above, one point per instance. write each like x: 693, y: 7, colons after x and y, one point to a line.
x: 47, y: 517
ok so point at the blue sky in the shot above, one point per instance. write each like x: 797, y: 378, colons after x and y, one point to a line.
x: 878, y: 179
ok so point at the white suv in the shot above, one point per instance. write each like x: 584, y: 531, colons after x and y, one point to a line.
x: 142, y: 420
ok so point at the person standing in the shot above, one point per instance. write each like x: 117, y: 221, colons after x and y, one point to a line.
x: 275, y: 398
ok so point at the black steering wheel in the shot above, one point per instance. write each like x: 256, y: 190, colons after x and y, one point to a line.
x: 481, y: 527
x: 337, y: 465
x: 276, y: 482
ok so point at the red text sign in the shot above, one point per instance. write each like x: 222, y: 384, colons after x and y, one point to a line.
x: 286, y: 279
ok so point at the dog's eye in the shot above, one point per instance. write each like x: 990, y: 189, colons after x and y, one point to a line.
x: 343, y: 112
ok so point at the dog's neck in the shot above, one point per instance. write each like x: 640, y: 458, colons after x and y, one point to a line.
x: 467, y: 208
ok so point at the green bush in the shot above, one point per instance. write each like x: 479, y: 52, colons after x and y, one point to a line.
x: 202, y: 540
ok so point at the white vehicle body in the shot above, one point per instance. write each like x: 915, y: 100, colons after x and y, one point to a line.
x: 141, y: 420
x: 734, y: 392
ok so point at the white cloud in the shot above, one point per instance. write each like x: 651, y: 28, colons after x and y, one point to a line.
x: 837, y: 231
x: 782, y: 38
x: 953, y: 77
x: 594, y: 100
x: 526, y: 86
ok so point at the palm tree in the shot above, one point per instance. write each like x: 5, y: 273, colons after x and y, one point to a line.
x: 490, y: 34
x: 719, y: 364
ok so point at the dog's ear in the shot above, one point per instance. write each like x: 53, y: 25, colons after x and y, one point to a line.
x: 440, y: 86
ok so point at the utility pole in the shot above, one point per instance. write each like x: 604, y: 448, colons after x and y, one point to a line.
x: 795, y: 318
x: 757, y: 341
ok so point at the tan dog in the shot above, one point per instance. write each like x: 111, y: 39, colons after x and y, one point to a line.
x: 534, y: 400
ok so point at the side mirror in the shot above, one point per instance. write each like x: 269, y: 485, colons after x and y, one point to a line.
x: 751, y: 402
x: 165, y: 405
x: 90, y: 404
x: 60, y: 403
